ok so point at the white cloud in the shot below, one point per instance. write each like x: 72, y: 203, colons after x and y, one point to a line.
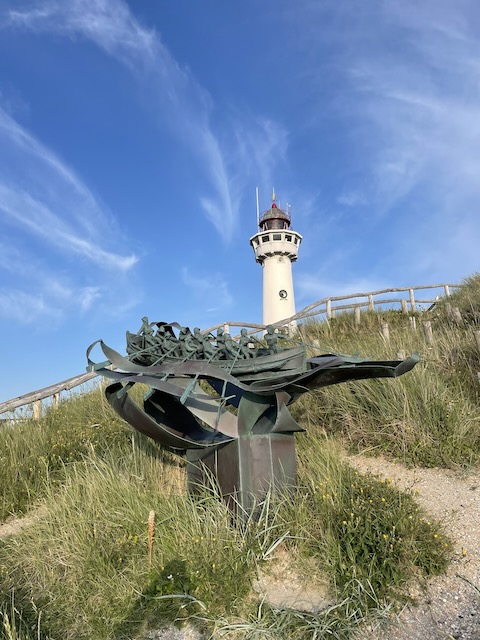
x: 34, y: 291
x: 406, y: 97
x: 109, y: 24
x: 52, y: 302
x: 26, y: 308
x: 315, y: 286
x: 45, y: 197
x: 182, y: 104
x: 351, y: 198
x: 211, y: 291
x: 51, y: 228
x: 41, y: 287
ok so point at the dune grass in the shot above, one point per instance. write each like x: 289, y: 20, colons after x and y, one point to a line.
x: 431, y: 416
x: 83, y: 570
x: 35, y: 455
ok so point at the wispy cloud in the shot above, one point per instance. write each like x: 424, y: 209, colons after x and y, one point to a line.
x: 351, y: 198
x: 36, y: 217
x: 36, y: 292
x: 49, y: 304
x: 26, y: 308
x: 45, y: 205
x: 210, y: 291
x: 41, y: 194
x: 316, y: 286
x: 407, y: 96
x: 181, y: 102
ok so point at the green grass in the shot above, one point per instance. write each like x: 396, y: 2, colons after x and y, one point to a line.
x: 430, y: 416
x: 12, y: 626
x: 82, y: 570
x: 370, y: 530
x: 36, y: 454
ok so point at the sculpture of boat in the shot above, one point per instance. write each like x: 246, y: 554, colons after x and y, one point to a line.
x: 144, y: 350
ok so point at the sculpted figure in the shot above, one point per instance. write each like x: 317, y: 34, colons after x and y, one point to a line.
x: 145, y: 329
x: 159, y: 339
x: 231, y: 348
x: 244, y: 342
x: 188, y: 345
x: 271, y: 338
x: 146, y: 332
x: 220, y: 339
x: 206, y: 348
x: 171, y: 345
x: 197, y: 340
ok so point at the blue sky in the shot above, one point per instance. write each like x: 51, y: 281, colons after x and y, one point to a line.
x: 133, y: 134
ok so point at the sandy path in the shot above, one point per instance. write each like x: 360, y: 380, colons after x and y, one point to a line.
x: 449, y: 608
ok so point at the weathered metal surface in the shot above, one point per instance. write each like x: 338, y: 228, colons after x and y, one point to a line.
x: 225, y: 404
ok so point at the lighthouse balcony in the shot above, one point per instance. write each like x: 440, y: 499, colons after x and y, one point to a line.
x: 274, y: 243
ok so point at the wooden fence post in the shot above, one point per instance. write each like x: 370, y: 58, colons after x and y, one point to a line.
x: 427, y: 328
x: 447, y: 290
x: 413, y: 323
x: 477, y: 339
x: 37, y: 409
x: 329, y: 309
x: 55, y: 400
x: 404, y: 307
x: 457, y: 316
x: 357, y: 316
x: 412, y: 300
x: 385, y: 332
x: 371, y: 305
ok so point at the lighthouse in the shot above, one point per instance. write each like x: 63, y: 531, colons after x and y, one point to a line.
x: 276, y: 247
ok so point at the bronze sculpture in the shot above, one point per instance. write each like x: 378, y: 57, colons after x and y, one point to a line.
x: 225, y: 404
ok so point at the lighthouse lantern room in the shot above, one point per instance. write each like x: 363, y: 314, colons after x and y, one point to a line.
x: 276, y: 247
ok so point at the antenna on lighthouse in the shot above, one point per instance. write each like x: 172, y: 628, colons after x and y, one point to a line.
x: 258, y: 208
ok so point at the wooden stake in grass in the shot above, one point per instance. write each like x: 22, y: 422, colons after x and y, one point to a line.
x: 427, y: 329
x: 477, y: 339
x: 385, y: 332
x: 357, y: 316
x: 151, y: 532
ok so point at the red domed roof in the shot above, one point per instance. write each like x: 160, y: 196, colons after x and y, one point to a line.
x: 275, y: 213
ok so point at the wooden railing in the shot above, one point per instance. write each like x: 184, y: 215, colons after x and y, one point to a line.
x: 326, y: 307
x: 407, y: 304
x: 35, y: 398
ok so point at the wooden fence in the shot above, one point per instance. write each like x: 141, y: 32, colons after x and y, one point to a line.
x: 35, y: 398
x: 326, y: 308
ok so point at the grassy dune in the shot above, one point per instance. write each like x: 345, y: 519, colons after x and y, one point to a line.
x: 83, y: 570
x: 429, y: 417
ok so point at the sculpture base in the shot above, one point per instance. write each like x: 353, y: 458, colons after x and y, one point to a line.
x: 245, y: 469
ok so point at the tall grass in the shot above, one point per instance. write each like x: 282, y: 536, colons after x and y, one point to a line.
x: 84, y: 570
x: 85, y: 567
x: 430, y: 416
x: 35, y: 454
x: 12, y: 625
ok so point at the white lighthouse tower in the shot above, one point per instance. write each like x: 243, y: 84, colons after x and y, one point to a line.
x: 276, y: 247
